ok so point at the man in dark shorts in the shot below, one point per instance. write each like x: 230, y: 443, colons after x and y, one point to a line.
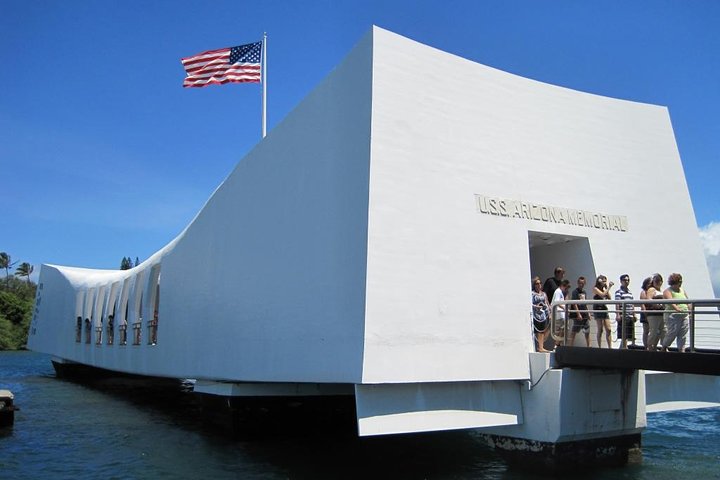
x: 625, y: 316
x: 579, y: 313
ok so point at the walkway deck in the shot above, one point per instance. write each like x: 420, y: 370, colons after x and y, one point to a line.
x: 702, y: 363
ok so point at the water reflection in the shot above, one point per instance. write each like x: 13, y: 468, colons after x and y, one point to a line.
x: 120, y: 428
x: 295, y: 440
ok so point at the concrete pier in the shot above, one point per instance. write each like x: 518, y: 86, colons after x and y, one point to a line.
x: 568, y: 456
x: 575, y: 417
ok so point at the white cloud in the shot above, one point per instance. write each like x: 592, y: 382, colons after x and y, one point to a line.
x: 710, y: 238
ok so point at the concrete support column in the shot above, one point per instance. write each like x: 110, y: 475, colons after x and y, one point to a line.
x: 575, y: 417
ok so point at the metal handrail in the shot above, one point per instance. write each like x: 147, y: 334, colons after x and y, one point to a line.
x: 621, y: 306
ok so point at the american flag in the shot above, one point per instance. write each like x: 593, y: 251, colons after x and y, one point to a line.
x: 226, y: 65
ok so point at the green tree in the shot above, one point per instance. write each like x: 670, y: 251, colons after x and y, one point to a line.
x: 13, y: 337
x: 126, y: 263
x: 24, y: 270
x: 6, y: 263
x: 16, y: 304
x: 7, y: 334
x: 13, y: 307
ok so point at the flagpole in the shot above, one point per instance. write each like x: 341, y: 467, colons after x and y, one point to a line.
x: 264, y: 84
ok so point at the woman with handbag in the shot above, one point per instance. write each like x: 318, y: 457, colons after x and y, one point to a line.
x: 654, y: 313
x: 540, y: 313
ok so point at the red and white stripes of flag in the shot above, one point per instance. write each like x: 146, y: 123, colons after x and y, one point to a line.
x: 241, y: 64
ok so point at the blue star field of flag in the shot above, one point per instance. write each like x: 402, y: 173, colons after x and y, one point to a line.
x: 249, y: 53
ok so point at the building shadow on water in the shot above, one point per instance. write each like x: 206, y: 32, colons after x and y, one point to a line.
x: 305, y: 437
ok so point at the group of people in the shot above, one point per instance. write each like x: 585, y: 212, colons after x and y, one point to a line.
x: 662, y: 324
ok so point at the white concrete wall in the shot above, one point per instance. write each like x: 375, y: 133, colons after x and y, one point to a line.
x: 423, y: 407
x: 268, y: 281
x: 448, y: 287
x: 679, y: 391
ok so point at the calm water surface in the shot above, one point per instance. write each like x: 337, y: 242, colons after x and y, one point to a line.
x: 69, y: 430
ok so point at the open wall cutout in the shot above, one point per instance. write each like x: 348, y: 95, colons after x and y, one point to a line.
x: 550, y: 250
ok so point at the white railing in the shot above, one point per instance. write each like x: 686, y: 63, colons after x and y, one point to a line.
x: 703, y: 318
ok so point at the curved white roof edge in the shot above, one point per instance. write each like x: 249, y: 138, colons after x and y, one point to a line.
x: 516, y: 75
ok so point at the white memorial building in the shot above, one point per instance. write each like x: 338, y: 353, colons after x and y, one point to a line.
x: 380, y: 242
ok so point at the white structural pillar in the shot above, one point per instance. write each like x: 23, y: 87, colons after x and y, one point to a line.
x: 576, y: 417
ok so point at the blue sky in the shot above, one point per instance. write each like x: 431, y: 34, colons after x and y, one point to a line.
x: 105, y: 155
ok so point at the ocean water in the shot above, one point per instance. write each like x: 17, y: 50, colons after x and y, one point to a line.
x: 67, y: 430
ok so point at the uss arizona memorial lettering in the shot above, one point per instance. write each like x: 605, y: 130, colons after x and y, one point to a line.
x: 504, y: 207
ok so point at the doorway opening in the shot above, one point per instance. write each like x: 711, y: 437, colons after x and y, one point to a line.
x: 550, y: 250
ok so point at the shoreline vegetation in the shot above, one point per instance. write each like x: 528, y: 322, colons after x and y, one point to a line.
x: 17, y: 298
